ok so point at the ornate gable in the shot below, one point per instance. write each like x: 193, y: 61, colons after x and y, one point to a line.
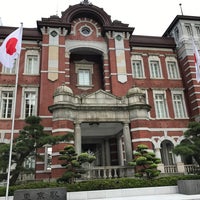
x: 101, y: 97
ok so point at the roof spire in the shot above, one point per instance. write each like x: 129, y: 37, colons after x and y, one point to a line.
x: 180, y: 4
x: 1, y: 23
x: 86, y: 2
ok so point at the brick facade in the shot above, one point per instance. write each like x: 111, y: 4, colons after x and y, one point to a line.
x: 87, y: 84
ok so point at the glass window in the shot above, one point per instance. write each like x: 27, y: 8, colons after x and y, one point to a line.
x: 7, y: 70
x: 167, y: 155
x: 30, y: 103
x: 189, y: 30
x: 197, y: 30
x: 155, y: 69
x: 48, y: 157
x: 84, y: 71
x: 137, y: 69
x: 32, y: 64
x: 160, y: 106
x: 84, y: 77
x: 6, y: 104
x: 29, y: 162
x: 179, y: 108
x: 85, y: 30
x: 176, y: 34
x: 173, y: 72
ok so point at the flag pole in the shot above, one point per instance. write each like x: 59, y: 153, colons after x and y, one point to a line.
x: 12, y: 128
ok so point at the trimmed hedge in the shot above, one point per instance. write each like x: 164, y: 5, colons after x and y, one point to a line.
x: 103, y: 184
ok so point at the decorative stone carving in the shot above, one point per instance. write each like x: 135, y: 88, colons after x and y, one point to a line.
x: 42, y: 193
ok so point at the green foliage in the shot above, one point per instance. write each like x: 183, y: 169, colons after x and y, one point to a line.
x: 73, y: 164
x: 30, y: 138
x: 145, y: 163
x: 85, y: 157
x: 103, y: 184
x: 191, y: 145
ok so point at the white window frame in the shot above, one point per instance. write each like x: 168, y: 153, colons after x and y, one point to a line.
x: 197, y: 28
x: 48, y: 152
x: 84, y: 65
x: 160, y: 115
x: 137, y: 72
x: 84, y: 33
x: 34, y: 69
x: 3, y: 90
x: 170, y: 71
x: 29, y: 162
x: 183, y: 105
x: 176, y: 33
x: 155, y: 73
x: 10, y: 71
x: 188, y: 28
x: 167, y: 155
x: 53, y: 37
x: 23, y: 105
x: 84, y: 77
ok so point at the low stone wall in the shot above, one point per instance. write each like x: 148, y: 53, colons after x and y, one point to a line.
x: 104, y: 194
x: 189, y: 187
x: 117, y: 193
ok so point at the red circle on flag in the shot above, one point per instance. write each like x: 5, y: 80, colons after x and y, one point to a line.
x: 11, y: 46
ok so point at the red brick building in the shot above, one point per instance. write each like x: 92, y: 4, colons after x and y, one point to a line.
x: 85, y: 74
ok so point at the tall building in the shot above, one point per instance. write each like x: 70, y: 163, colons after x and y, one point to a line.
x: 85, y: 74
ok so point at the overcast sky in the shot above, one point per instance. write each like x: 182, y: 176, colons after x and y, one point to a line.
x: 148, y: 17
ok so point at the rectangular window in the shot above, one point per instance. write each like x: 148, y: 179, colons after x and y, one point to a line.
x: 84, y: 77
x: 30, y: 103
x: 137, y: 69
x: 197, y: 29
x: 173, y: 72
x: 155, y: 69
x: 160, y: 106
x: 32, y: 64
x: 189, y: 30
x: 179, y: 108
x: 29, y: 162
x: 176, y: 33
x: 7, y: 70
x: 6, y: 104
x: 48, y: 157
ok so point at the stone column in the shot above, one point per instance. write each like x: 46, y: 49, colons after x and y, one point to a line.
x: 157, y: 153
x: 127, y: 143
x: 107, y: 152
x: 120, y: 151
x: 77, y: 141
x: 179, y: 164
x: 103, y: 153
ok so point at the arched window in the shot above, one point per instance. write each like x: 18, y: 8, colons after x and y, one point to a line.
x: 166, y: 153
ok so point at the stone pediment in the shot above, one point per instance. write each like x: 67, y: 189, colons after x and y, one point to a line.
x: 102, y: 97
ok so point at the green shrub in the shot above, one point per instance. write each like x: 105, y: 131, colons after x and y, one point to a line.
x: 103, y: 184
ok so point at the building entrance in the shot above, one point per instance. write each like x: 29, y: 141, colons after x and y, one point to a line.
x: 105, y: 141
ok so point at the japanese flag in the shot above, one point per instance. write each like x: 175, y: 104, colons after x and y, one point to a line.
x: 11, y: 48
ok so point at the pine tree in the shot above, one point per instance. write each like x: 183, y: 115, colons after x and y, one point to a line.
x: 190, y: 147
x: 30, y: 138
x: 73, y: 164
x: 145, y: 162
